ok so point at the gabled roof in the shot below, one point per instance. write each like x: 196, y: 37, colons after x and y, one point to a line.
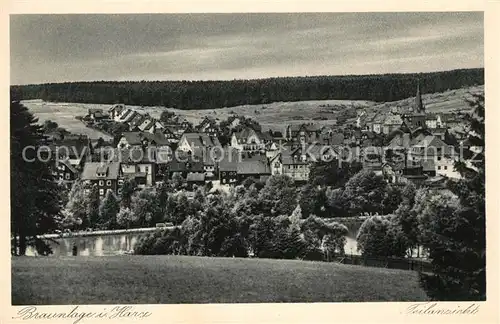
x: 400, y: 141
x: 152, y: 122
x: 72, y: 146
x: 431, y: 140
x: 91, y: 169
x: 253, y: 166
x: 288, y: 159
x: 185, y: 164
x: 133, y: 138
x: 393, y: 119
x: 266, y: 136
x: 174, y: 129
x: 118, y: 108
x: 439, y: 131
x: 133, y: 155
x: 69, y: 166
x: 199, y: 140
x: 295, y: 128
x: 448, y: 117
x: 125, y: 112
x: 417, y: 139
x: 136, y: 138
x: 130, y: 116
x: 137, y: 120
x: 195, y: 177
x: 230, y: 160
x: 435, y: 142
x: 275, y: 134
x: 378, y: 119
x: 246, y: 132
x: 207, y: 121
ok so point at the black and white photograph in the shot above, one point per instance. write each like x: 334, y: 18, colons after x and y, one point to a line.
x: 228, y: 158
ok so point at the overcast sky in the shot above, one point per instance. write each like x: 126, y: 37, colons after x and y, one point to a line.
x: 56, y: 48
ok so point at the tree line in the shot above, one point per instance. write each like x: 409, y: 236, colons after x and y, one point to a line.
x: 217, y: 94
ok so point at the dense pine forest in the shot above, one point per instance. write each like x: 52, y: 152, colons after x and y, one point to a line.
x: 216, y: 94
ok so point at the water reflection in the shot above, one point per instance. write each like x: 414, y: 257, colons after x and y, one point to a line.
x: 116, y: 244
x: 99, y: 245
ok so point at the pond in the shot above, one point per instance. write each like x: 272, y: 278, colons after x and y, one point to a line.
x: 123, y: 242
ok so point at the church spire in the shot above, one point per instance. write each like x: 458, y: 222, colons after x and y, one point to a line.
x: 419, y: 107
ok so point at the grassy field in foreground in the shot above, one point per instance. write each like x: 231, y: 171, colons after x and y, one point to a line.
x: 182, y: 279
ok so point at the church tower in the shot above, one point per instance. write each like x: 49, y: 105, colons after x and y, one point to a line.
x: 419, y: 106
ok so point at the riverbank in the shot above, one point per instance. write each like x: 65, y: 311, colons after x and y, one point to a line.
x: 187, y: 279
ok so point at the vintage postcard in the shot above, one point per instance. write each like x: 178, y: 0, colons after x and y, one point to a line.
x: 197, y: 163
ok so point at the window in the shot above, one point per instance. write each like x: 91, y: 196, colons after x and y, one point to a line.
x: 120, y: 182
x: 147, y: 169
x: 101, y: 182
x: 439, y: 158
x: 67, y: 176
x: 445, y: 167
x: 101, y: 192
x: 439, y: 167
x: 108, y: 183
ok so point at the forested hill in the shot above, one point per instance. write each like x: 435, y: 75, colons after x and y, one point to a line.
x: 216, y: 94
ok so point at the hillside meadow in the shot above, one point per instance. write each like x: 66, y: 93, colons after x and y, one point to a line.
x: 274, y: 115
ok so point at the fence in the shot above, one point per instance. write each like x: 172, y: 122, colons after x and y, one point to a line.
x: 391, y: 263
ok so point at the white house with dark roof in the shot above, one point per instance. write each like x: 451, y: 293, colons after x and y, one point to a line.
x: 151, y: 125
x: 250, y: 140
x: 104, y: 175
x: 209, y: 126
x: 431, y: 150
x: 66, y: 172
x: 292, y: 165
x: 137, y: 164
x: 196, y: 142
x: 303, y: 133
x: 392, y: 122
x: 227, y: 167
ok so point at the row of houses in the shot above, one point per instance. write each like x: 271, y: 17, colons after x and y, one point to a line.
x: 419, y: 149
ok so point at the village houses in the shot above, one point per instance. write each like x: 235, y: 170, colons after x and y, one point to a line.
x: 249, y: 140
x: 208, y: 126
x: 103, y: 175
